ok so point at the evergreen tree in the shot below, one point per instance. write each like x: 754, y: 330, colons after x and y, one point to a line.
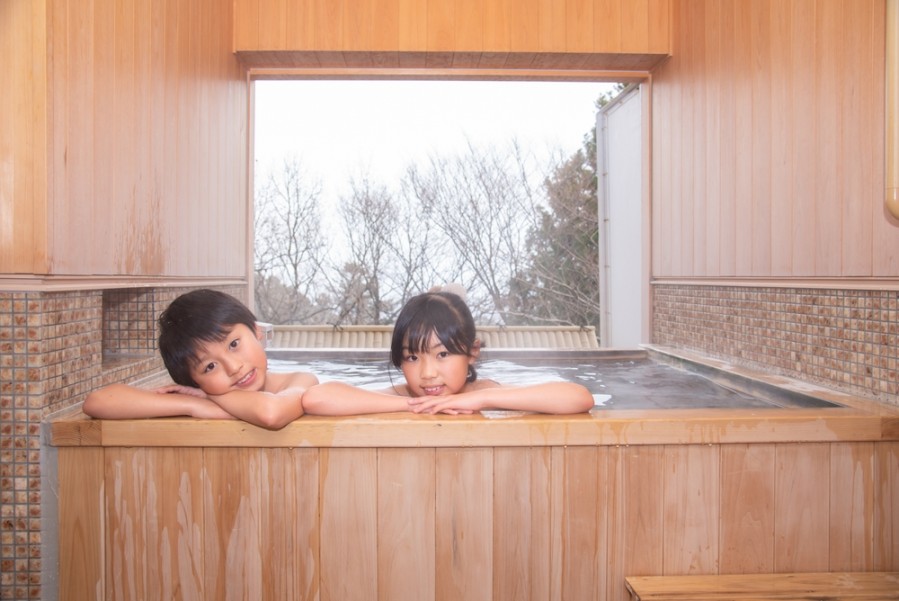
x: 562, y: 284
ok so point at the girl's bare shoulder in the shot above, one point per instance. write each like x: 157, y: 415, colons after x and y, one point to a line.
x: 396, y: 389
x: 482, y: 384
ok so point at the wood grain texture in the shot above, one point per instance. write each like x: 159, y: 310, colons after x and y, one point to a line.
x: 82, y: 518
x: 406, y: 524
x: 121, y: 111
x: 756, y: 587
x: 747, y: 509
x: 455, y: 26
x: 522, y: 523
x: 786, y: 165
x: 801, y: 507
x: 349, y: 546
x: 488, y: 522
x: 464, y: 527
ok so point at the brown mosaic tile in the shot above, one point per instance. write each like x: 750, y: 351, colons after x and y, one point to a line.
x: 835, y: 338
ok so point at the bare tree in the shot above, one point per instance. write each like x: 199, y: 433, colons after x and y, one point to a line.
x: 523, y: 243
x: 368, y: 219
x: 484, y: 209
x: 288, y: 246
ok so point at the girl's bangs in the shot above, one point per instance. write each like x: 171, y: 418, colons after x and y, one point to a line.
x: 418, y: 335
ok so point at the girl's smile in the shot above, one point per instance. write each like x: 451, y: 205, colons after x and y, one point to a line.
x: 434, y: 371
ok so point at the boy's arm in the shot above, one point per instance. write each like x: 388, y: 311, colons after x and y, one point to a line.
x: 337, y: 398
x: 271, y: 410
x: 551, y: 397
x: 120, y: 401
x: 274, y: 408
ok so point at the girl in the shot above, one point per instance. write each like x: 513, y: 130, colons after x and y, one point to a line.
x: 434, y: 344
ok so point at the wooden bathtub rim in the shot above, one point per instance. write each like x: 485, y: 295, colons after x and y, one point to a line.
x: 402, y: 430
x: 855, y: 420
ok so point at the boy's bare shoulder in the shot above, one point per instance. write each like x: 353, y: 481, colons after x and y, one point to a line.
x: 280, y: 381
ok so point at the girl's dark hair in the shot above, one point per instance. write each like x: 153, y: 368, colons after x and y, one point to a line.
x: 192, y: 319
x: 441, y: 313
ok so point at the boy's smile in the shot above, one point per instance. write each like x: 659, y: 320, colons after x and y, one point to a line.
x: 237, y: 362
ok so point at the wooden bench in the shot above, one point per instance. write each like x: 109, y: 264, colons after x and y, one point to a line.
x: 829, y: 586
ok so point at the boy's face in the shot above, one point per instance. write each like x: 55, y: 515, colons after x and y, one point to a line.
x: 237, y: 362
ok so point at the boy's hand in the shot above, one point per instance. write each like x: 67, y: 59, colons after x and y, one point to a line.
x: 202, y: 407
x: 209, y: 410
x: 179, y: 389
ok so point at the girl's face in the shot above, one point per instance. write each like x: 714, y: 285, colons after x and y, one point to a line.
x: 435, y: 371
x: 237, y: 362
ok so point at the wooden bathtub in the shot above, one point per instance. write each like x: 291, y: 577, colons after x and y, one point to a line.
x: 403, y: 507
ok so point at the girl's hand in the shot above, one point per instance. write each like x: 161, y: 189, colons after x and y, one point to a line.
x: 179, y: 389
x: 455, y: 404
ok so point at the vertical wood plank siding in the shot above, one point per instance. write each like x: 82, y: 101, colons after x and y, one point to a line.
x: 473, y: 523
x: 128, y: 153
x: 768, y: 142
x: 453, y: 26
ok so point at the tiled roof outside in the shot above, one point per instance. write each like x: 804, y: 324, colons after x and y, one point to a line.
x: 378, y: 337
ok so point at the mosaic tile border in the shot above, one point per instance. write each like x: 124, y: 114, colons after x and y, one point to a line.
x: 847, y: 340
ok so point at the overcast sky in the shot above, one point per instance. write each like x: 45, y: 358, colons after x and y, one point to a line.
x: 343, y: 129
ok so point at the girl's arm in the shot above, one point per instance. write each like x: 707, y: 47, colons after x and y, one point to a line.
x: 120, y: 401
x: 337, y: 398
x: 274, y: 408
x: 552, y: 397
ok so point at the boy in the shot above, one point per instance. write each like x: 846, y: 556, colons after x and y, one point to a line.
x: 212, y: 349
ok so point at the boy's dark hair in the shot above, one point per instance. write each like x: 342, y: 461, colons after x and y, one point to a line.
x: 192, y: 319
x: 441, y: 313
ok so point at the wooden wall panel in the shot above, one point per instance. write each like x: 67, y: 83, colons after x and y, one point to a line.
x: 787, y: 167
x: 406, y: 519
x: 455, y: 26
x: 474, y: 523
x: 82, y: 518
x: 692, y: 506
x: 801, y: 508
x: 781, y: 87
x: 522, y: 527
x: 727, y: 211
x: 802, y: 111
x: 696, y: 96
x: 579, y: 503
x: 147, y: 149
x: 636, y: 528
x: 858, y: 121
x: 707, y: 261
x: 745, y: 196
x: 23, y: 136
x: 349, y: 524
x: 760, y: 24
x: 851, y: 506
x: 233, y: 530
x: 747, y: 509
x: 464, y: 529
x: 828, y: 65
x: 886, y: 516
